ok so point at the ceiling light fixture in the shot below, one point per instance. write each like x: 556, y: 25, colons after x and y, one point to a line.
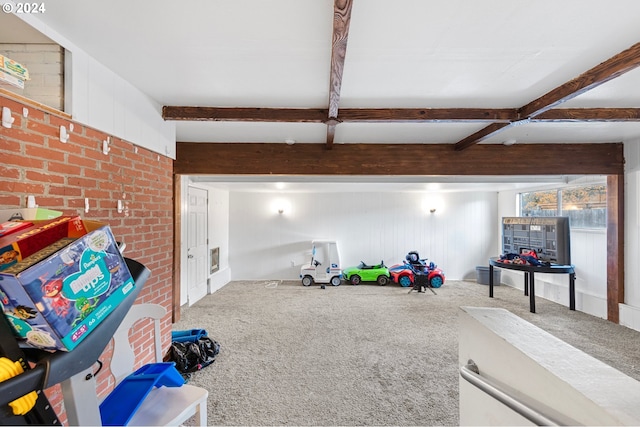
x: 290, y: 141
x: 509, y: 142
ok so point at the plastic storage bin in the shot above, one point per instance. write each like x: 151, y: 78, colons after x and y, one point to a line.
x: 482, y: 275
x: 190, y: 335
x: 123, y: 402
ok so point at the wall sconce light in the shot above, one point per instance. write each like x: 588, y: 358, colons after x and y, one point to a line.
x: 432, y: 203
x: 64, y: 136
x: 281, y: 206
x: 120, y: 206
x: 7, y: 120
x: 86, y: 205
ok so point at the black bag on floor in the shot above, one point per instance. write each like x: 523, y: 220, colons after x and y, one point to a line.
x: 191, y: 356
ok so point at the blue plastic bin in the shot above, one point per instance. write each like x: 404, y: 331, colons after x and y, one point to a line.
x: 123, y: 402
x: 190, y: 335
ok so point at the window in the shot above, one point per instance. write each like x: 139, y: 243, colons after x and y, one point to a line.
x: 539, y: 203
x: 586, y: 205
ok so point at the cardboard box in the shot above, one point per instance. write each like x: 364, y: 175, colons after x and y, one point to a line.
x: 13, y: 68
x: 10, y: 227
x: 12, y: 80
x: 15, y: 247
x: 57, y: 296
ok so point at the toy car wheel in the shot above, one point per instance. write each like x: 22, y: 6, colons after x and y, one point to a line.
x: 405, y: 281
x: 355, y: 279
x: 436, y: 281
x: 307, y: 280
x: 335, y: 281
x: 382, y: 280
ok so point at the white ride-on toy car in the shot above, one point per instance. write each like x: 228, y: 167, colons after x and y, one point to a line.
x: 324, y: 266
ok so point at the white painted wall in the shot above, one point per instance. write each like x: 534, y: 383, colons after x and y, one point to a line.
x: 99, y: 98
x: 588, y: 254
x: 219, y: 235
x: 370, y: 227
x: 630, y: 310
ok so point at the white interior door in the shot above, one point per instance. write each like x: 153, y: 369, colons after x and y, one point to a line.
x: 197, y: 244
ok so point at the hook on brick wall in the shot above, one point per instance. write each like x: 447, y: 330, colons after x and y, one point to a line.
x: 105, y: 145
x: 7, y: 120
x: 64, y: 136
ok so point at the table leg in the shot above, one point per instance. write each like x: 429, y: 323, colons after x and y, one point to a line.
x: 572, y: 291
x: 526, y: 283
x: 490, y: 281
x: 532, y: 293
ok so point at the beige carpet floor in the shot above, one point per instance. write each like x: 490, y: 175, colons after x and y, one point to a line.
x: 361, y: 355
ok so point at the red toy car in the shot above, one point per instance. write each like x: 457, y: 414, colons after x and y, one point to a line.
x: 405, y: 273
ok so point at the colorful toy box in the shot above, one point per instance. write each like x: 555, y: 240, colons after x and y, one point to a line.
x: 57, y: 296
x: 17, y: 246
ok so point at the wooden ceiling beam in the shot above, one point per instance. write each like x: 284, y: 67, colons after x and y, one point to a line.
x: 282, y: 115
x: 341, y: 21
x: 394, y: 115
x: 615, y: 66
x: 319, y: 115
x: 481, y: 135
x: 400, y: 115
x: 194, y: 158
x: 589, y: 115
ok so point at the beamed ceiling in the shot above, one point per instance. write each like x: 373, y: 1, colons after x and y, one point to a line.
x: 377, y: 87
x: 380, y: 88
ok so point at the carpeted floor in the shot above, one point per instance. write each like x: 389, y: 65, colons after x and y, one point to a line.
x: 361, y: 355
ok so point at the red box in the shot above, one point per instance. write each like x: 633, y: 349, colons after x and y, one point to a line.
x: 17, y: 246
x: 10, y: 227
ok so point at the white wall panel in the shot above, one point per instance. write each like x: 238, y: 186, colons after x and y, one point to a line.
x: 368, y: 226
x: 99, y: 98
x: 632, y: 224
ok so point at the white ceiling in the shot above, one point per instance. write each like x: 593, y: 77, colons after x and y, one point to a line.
x: 400, y: 54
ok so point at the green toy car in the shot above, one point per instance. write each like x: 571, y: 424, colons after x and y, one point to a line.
x: 367, y: 273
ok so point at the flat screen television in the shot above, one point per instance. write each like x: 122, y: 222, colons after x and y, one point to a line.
x: 549, y: 237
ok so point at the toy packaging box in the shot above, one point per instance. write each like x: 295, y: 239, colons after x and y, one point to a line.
x: 57, y: 296
x: 18, y: 245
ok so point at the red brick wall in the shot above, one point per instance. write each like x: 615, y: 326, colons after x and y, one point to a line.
x: 33, y: 161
